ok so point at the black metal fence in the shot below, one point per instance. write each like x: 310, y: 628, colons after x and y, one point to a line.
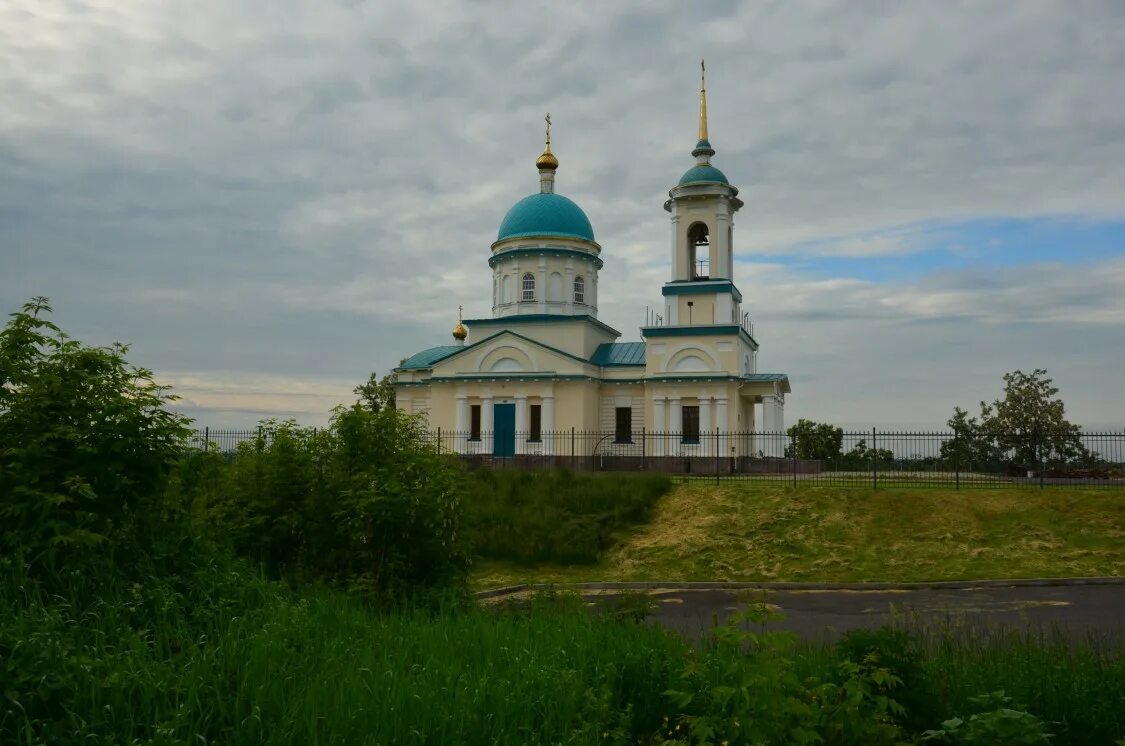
x: 872, y: 458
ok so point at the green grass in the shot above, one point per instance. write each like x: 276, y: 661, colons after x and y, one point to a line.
x: 140, y: 666
x: 758, y: 532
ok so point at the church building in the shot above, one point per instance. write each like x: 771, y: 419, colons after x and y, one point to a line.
x: 543, y: 366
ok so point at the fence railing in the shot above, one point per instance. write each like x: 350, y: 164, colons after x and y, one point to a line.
x: 872, y: 458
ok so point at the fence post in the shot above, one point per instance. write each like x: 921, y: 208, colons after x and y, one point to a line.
x: 439, y: 441
x: 874, y: 462
x: 644, y: 447
x: 716, y: 455
x: 206, y: 440
x: 1038, y: 458
x: 956, y: 463
x: 793, y: 461
x: 572, y: 465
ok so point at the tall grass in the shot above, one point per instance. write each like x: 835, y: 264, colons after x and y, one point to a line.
x: 555, y: 516
x: 238, y: 660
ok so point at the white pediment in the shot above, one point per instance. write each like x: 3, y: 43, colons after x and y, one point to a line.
x: 508, y: 352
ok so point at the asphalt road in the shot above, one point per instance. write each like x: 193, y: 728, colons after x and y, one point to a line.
x: 1076, y: 611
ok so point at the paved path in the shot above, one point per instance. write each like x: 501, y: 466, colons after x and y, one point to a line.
x: 1077, y: 611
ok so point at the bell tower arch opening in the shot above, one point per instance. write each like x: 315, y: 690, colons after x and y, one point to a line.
x: 699, y: 252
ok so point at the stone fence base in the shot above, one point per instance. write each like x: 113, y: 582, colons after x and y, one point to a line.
x: 744, y: 465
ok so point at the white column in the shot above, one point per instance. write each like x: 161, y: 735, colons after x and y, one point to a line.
x: 675, y: 236
x: 721, y: 243
x: 522, y: 424
x: 486, y: 425
x: 772, y: 425
x: 541, y: 290
x: 722, y: 424
x: 568, y: 291
x: 461, y: 425
x: 548, y: 425
x: 659, y: 425
x: 676, y: 419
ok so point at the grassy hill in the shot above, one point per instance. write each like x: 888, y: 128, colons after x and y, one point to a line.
x: 741, y: 531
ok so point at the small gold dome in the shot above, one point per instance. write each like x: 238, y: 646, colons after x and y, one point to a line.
x: 460, y: 332
x: 547, y: 161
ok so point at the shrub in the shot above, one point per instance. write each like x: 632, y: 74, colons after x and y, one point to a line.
x: 900, y: 653
x: 86, y: 445
x: 365, y: 504
x: 996, y: 722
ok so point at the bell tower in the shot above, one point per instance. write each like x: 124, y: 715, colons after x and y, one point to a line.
x: 703, y: 205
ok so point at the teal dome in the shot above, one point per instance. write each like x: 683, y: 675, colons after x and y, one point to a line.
x: 699, y: 174
x: 546, y: 214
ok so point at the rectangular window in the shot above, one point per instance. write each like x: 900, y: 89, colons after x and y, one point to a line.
x: 691, y: 424
x: 623, y: 431
x: 474, y: 422
x: 535, y: 431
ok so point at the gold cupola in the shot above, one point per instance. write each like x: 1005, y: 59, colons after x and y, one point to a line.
x: 547, y: 161
x: 459, y: 331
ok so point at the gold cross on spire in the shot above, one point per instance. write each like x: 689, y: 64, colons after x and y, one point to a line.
x: 460, y: 309
x: 702, y: 100
x: 547, y: 119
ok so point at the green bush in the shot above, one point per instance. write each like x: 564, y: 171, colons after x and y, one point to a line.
x: 86, y: 445
x: 555, y: 516
x: 899, y: 652
x: 364, y: 504
x: 996, y: 722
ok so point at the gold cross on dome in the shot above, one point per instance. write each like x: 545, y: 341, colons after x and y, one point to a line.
x: 547, y: 119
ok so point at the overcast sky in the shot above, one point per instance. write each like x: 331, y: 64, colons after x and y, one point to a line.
x: 270, y: 201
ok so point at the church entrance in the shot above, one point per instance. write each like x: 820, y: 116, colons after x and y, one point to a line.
x: 504, y: 429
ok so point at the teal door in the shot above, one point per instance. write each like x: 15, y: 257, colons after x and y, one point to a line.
x: 504, y: 429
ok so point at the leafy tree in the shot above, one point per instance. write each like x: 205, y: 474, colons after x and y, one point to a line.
x: 1028, y: 426
x: 814, y: 440
x: 860, y: 456
x: 1030, y: 422
x: 86, y: 445
x: 377, y: 393
x: 971, y: 447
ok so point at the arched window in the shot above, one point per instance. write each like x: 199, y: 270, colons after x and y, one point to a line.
x: 528, y: 286
x: 699, y: 251
x: 579, y: 289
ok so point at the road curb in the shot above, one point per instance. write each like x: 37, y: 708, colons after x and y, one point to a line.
x: 721, y: 585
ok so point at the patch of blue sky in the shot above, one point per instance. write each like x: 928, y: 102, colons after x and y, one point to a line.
x: 908, y: 252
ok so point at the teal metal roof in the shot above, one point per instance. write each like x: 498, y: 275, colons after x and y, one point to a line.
x: 427, y: 358
x: 619, y: 353
x: 545, y: 214
x: 698, y: 174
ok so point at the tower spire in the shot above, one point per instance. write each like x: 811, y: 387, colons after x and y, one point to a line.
x: 703, y: 150
x: 702, y: 100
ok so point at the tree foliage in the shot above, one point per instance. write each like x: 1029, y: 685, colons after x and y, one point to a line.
x: 86, y: 443
x: 366, y: 504
x: 814, y: 440
x: 824, y: 442
x: 377, y: 393
x: 1027, y: 427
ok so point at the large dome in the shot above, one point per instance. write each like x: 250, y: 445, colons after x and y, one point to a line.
x: 545, y: 214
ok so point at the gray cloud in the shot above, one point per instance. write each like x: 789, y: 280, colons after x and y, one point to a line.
x: 306, y: 190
